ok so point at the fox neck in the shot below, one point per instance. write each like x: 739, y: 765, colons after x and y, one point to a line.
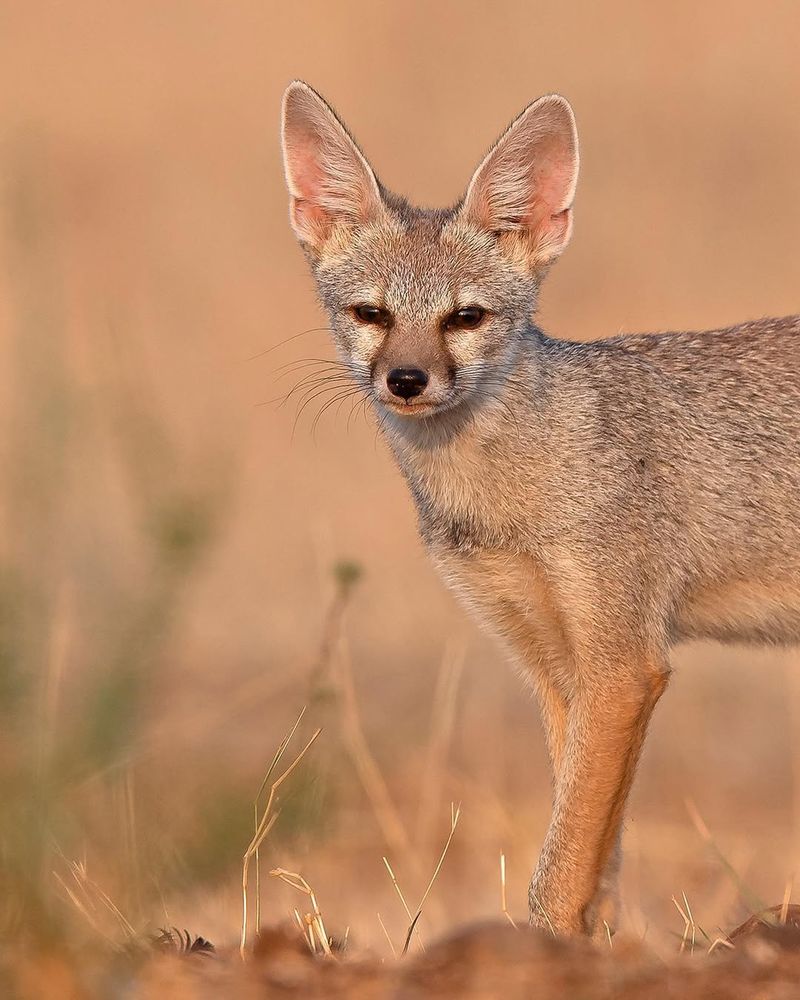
x: 457, y: 463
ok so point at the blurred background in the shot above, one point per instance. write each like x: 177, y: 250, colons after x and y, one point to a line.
x: 185, y: 563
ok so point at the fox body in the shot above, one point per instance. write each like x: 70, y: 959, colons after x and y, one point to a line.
x: 592, y: 503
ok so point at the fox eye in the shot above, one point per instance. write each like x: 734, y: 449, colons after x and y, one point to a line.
x: 466, y: 319
x: 373, y: 315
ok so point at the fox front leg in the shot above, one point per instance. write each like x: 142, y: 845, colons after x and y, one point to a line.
x: 573, y: 888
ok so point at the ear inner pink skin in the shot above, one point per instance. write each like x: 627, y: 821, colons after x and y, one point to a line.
x: 527, y: 181
x: 328, y: 178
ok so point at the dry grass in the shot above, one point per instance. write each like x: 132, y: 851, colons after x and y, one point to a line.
x: 264, y: 824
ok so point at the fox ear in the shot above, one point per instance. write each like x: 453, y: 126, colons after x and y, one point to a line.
x: 329, y: 179
x: 526, y: 182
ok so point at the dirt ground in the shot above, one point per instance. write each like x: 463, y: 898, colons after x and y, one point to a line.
x: 490, y: 961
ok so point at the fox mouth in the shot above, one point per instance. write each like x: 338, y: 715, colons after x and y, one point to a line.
x: 413, y: 407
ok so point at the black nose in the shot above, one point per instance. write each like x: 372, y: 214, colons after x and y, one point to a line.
x: 406, y: 382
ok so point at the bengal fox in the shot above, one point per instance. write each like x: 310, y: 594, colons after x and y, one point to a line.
x: 592, y: 503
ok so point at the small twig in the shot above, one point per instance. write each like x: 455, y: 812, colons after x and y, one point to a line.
x: 302, y: 927
x: 86, y: 895
x: 411, y: 927
x: 312, y: 937
x: 699, y: 927
x: 258, y: 867
x: 399, y: 892
x: 397, y: 888
x: 721, y: 942
x: 82, y: 908
x: 503, y: 905
x: 677, y: 906
x: 264, y: 834
x: 691, y: 917
x: 257, y: 822
x: 455, y: 813
x: 688, y: 923
x: 386, y: 935
x: 309, y: 939
x: 787, y: 895
x: 297, y: 881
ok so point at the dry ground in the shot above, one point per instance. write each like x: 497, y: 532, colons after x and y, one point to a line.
x: 490, y: 961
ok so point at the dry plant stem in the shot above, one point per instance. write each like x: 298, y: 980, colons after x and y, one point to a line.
x: 257, y: 822
x: 80, y: 873
x: 455, y: 813
x: 787, y: 897
x: 277, y: 758
x: 503, y: 903
x: 265, y: 832
x: 314, y: 920
x: 83, y: 909
x: 688, y: 924
x: 312, y: 939
x: 85, y: 896
x: 386, y: 935
x: 273, y: 764
x: 268, y: 818
x: 410, y: 931
x: 304, y: 931
x: 258, y: 872
x: 399, y: 892
x: 695, y: 925
x: 720, y: 942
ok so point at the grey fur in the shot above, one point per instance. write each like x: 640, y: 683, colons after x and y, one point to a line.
x: 593, y: 503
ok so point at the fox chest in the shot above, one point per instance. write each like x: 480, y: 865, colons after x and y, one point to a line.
x: 512, y: 598
x: 467, y: 510
x: 489, y: 538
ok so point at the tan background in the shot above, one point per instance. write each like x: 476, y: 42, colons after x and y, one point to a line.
x: 147, y: 256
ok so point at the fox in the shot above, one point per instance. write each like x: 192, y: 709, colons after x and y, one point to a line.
x: 591, y: 503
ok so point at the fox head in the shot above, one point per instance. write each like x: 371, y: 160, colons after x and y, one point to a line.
x: 429, y: 308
